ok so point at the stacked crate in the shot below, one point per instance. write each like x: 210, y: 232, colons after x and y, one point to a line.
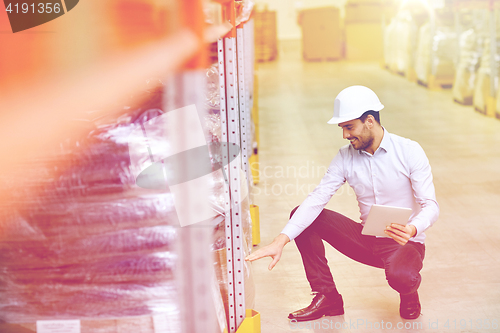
x: 266, y: 45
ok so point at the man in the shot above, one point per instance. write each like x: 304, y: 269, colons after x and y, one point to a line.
x: 383, y: 169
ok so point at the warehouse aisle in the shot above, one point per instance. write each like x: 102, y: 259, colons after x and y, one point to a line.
x: 460, y: 290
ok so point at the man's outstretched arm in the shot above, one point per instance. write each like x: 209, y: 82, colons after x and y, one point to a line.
x: 272, y: 250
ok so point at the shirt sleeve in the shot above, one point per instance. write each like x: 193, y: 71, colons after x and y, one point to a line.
x: 312, y: 206
x: 423, y: 189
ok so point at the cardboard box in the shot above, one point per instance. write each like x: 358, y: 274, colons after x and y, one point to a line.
x: 363, y: 41
x: 321, y: 34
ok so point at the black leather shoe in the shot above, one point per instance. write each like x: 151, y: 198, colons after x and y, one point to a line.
x: 409, y: 308
x: 319, y: 307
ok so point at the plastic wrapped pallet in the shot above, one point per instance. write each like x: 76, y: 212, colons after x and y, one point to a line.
x: 397, y: 50
x: 389, y: 45
x: 422, y: 63
x: 435, y: 55
x: 471, y: 47
x: 401, y: 37
x: 482, y: 89
x: 80, y: 240
x: 402, y: 44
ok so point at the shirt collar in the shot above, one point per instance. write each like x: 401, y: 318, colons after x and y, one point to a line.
x: 384, y: 144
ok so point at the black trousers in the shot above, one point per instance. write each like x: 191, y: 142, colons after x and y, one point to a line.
x: 402, y: 264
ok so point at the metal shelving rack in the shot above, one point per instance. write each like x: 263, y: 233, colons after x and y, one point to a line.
x: 235, y: 60
x: 236, y: 67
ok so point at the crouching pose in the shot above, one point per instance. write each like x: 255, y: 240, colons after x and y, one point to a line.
x: 382, y: 168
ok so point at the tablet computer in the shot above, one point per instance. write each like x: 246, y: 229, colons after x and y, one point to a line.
x: 381, y: 216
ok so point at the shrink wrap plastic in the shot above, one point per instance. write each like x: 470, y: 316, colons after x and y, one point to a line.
x: 219, y: 246
x: 213, y: 92
x: 482, y: 89
x: 213, y: 124
x: 80, y: 240
x: 244, y: 11
x: 471, y: 45
x: 400, y: 43
x: 389, y: 45
x: 435, y: 54
x: 213, y: 13
x: 422, y: 60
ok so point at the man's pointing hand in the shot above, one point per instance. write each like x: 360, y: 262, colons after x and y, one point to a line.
x: 272, y: 250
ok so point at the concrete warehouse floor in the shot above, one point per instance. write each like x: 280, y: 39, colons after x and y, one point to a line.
x: 460, y: 290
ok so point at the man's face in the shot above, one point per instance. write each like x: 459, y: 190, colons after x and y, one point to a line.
x: 357, y: 133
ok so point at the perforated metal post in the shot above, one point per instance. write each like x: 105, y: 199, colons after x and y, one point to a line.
x: 227, y: 198
x: 224, y: 129
x: 245, y: 129
x: 228, y: 81
x: 249, y: 70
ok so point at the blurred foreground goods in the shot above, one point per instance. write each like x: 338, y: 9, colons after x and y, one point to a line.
x: 64, y: 83
x: 91, y: 32
x: 321, y: 35
x: 266, y: 36
x: 79, y: 239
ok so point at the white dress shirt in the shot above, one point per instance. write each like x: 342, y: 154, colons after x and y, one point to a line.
x: 397, y: 174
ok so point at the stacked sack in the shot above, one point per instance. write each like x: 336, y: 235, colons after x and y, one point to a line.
x: 471, y: 49
x: 435, y: 54
x: 474, y: 25
x: 400, y: 43
x: 482, y: 89
x: 79, y: 238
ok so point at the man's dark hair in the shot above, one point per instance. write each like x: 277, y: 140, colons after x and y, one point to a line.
x: 375, y: 115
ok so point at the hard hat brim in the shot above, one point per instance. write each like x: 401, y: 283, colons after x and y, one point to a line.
x: 338, y: 120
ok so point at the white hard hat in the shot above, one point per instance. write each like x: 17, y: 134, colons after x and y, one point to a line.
x: 352, y: 102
